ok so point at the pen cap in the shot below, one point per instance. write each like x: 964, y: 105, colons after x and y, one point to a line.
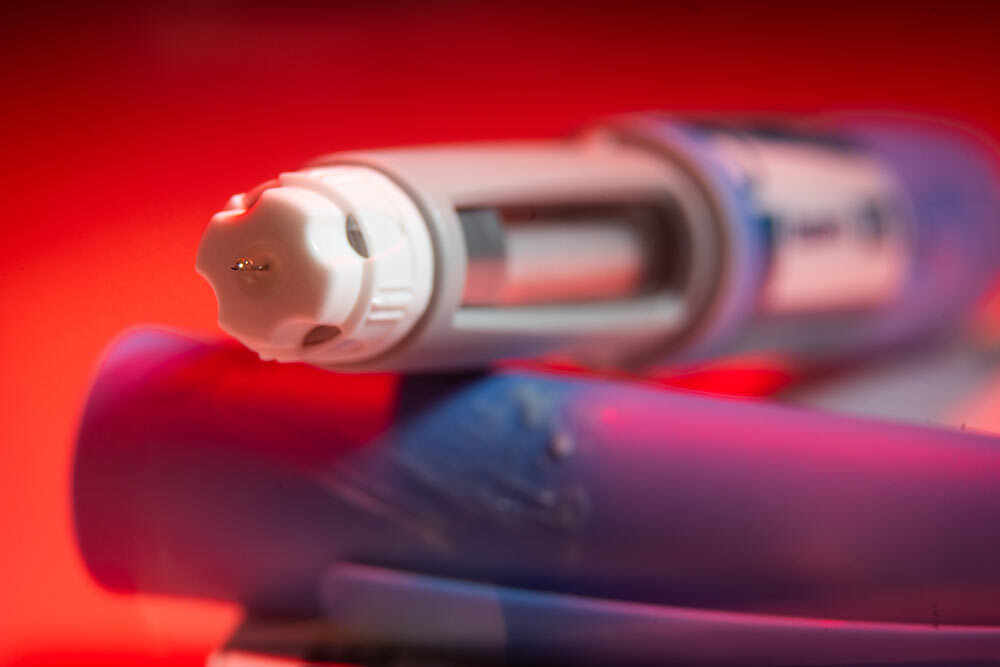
x: 328, y: 261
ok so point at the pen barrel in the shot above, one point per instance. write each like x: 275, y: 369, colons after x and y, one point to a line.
x: 583, y: 246
x: 202, y: 471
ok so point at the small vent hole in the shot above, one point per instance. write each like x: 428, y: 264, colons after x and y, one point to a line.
x: 320, y: 334
x: 355, y: 237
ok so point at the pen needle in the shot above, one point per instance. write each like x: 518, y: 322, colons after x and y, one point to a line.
x: 247, y: 264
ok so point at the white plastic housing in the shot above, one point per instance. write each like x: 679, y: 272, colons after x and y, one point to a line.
x: 421, y: 301
x: 341, y: 265
x: 593, y: 169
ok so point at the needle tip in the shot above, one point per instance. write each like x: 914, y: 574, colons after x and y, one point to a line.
x: 247, y: 264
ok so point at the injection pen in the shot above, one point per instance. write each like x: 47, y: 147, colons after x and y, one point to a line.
x: 523, y: 518
x: 644, y: 239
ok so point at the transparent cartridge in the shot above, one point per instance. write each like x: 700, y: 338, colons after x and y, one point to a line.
x: 644, y: 239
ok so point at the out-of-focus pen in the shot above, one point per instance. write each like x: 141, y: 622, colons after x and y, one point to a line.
x: 538, y: 519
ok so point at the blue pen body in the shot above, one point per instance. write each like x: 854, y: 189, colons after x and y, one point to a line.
x: 202, y: 471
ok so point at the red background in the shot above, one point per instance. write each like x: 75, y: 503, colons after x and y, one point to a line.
x: 123, y: 130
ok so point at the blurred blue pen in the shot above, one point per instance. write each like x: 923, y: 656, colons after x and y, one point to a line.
x: 523, y: 518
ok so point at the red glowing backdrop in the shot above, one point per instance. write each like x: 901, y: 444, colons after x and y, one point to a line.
x: 124, y: 129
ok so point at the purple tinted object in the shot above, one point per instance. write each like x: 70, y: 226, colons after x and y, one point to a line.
x: 948, y: 180
x: 184, y: 484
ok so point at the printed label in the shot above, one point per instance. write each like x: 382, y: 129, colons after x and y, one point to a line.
x: 836, y: 219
